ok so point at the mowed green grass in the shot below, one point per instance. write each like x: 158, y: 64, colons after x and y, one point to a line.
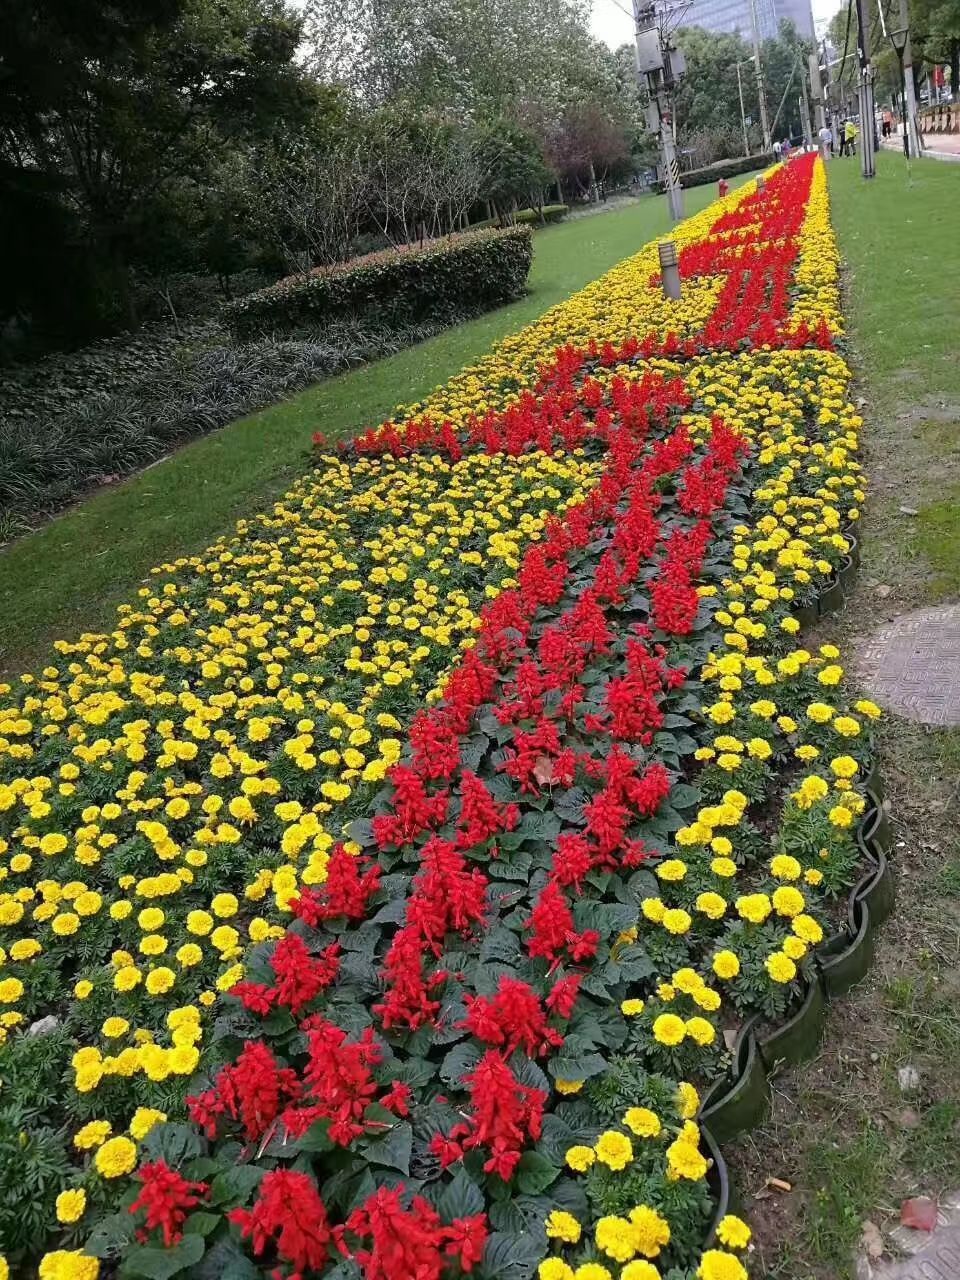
x: 69, y: 576
x: 900, y: 237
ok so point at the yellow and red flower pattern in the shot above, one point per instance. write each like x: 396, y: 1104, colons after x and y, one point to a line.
x: 502, y: 705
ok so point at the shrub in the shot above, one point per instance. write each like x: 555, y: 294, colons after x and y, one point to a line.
x: 722, y: 169
x: 67, y: 438
x: 395, y: 287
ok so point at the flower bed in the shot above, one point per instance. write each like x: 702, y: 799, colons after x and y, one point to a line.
x: 503, y: 709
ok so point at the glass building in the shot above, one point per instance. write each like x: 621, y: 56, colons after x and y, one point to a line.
x: 734, y: 16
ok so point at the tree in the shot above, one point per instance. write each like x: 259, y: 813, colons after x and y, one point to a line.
x: 115, y: 112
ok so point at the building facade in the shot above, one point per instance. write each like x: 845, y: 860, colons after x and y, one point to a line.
x: 734, y: 16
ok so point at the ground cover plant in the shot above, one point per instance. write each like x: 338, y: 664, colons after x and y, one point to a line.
x: 414, y: 853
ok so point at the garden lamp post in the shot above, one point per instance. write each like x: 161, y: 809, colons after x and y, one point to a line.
x: 899, y: 41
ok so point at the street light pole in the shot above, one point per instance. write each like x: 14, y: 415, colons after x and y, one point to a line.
x: 743, y: 118
x: 764, y: 123
x: 868, y: 163
x: 906, y: 71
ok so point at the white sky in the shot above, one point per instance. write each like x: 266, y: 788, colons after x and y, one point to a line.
x: 613, y: 24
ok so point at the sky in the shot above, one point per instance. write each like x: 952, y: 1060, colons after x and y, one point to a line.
x: 612, y: 23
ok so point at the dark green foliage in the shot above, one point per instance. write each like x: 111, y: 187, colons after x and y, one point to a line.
x: 393, y: 288
x: 723, y: 169
x: 188, y: 391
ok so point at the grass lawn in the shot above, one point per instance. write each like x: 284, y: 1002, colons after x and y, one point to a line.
x: 68, y: 576
x: 841, y: 1131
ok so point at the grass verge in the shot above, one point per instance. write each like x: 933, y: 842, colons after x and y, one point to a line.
x: 841, y: 1131
x: 70, y: 575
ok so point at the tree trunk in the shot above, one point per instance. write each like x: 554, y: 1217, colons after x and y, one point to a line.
x: 955, y: 73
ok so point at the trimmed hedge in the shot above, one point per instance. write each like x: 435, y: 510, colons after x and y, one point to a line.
x: 721, y: 169
x: 394, y: 288
x: 528, y: 217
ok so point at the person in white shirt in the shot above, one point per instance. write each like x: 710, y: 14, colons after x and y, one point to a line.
x: 776, y: 150
x: 826, y: 141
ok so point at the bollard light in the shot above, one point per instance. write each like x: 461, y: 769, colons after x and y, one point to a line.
x: 669, y: 269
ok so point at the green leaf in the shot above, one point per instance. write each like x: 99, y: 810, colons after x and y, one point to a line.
x: 159, y: 1264
x: 110, y: 1235
x: 535, y: 1173
x: 459, y: 1062
x: 392, y: 1150
x: 592, y: 1064
x: 173, y: 1143
x: 234, y: 1186
x: 201, y: 1224
x: 461, y: 1198
x: 226, y: 1261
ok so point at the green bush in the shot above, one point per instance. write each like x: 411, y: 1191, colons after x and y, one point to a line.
x: 721, y: 169
x: 393, y: 288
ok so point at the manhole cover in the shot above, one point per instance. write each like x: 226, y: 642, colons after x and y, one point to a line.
x: 912, y: 665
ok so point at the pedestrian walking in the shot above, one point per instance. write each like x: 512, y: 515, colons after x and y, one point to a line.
x: 786, y: 148
x: 825, y: 137
x: 723, y: 187
x: 886, y: 125
x: 850, y: 132
x: 777, y: 150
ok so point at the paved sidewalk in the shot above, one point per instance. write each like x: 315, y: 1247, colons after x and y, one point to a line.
x: 938, y: 146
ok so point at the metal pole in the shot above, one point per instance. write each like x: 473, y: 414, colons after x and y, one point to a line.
x: 816, y: 89
x: 805, y: 109
x: 868, y: 164
x: 764, y: 124
x: 671, y: 169
x: 743, y: 117
x: 908, y: 82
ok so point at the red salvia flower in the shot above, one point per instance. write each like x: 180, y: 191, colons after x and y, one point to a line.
x: 166, y: 1197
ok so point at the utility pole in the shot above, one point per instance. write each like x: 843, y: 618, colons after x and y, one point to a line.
x: 816, y: 89
x: 805, y: 112
x: 662, y: 65
x: 868, y: 164
x: 908, y: 89
x: 743, y: 117
x: 764, y: 124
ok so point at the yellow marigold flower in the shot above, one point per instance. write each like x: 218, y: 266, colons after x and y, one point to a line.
x: 724, y: 867
x: 93, y: 1133
x: 554, y: 1269
x: 114, y: 1027
x: 653, y: 909
x: 726, y: 965
x: 754, y: 907
x: 672, y: 869
x: 651, y: 1231
x: 563, y: 1226
x: 642, y: 1121
x: 144, y: 1119
x: 632, y: 1008
x: 160, y: 980
x: 676, y: 920
x: 116, y: 1157
x: 668, y: 1029
x: 712, y: 905
x: 840, y: 816
x: 568, y: 1086
x: 780, y: 967
x: 68, y: 1264
x: 807, y: 928
x: 788, y: 901
x: 717, y: 1264
x: 639, y: 1269
x: 844, y: 766
x: 592, y: 1271
x: 580, y: 1158
x: 71, y: 1205
x: 687, y: 1101
x: 613, y: 1149
x: 733, y: 1232
x: 794, y: 947
x: 701, y: 1031
x: 684, y: 1160
x: 868, y: 709
x: 785, y: 867
x: 616, y: 1238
